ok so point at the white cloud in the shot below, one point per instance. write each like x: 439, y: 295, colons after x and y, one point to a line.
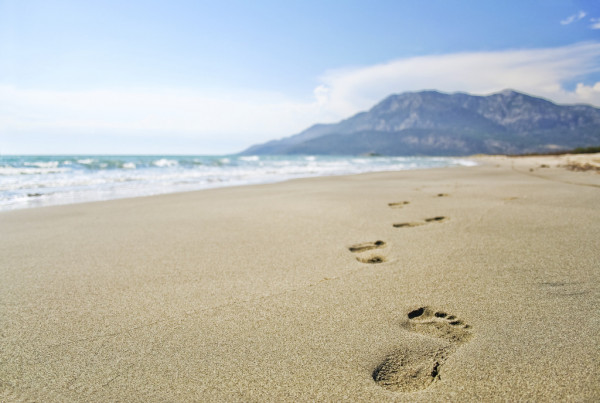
x: 541, y: 72
x: 242, y: 118
x: 573, y: 18
x: 321, y: 94
x: 595, y: 23
x: 590, y: 93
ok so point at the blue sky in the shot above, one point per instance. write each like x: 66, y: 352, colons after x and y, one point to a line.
x: 199, y: 77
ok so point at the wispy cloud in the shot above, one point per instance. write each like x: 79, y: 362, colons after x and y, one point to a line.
x: 542, y: 72
x: 238, y: 116
x: 575, y: 17
x: 246, y: 117
x: 595, y: 23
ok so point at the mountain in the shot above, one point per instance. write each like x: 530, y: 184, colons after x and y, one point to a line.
x: 437, y: 124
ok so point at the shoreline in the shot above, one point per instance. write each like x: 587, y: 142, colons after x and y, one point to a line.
x: 31, y: 182
x: 574, y: 162
x: 480, y: 281
x: 179, y: 181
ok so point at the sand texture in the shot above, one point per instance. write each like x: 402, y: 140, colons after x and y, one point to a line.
x: 457, y: 284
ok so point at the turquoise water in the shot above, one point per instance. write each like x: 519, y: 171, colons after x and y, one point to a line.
x: 35, y: 181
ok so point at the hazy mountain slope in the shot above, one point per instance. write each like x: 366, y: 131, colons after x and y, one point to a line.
x: 433, y: 123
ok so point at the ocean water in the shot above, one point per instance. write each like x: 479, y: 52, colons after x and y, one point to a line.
x: 35, y: 181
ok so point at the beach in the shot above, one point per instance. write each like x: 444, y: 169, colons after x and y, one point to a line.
x: 449, y: 284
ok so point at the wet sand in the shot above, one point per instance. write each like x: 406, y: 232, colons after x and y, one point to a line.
x: 462, y: 284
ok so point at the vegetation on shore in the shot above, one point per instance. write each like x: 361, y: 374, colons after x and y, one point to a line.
x: 578, y: 150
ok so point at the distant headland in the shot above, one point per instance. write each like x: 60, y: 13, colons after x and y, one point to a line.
x: 431, y: 123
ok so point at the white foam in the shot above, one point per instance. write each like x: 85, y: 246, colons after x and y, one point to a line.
x: 465, y: 163
x: 163, y: 162
x: 117, y: 177
x: 250, y: 158
x: 45, y: 165
x: 30, y: 171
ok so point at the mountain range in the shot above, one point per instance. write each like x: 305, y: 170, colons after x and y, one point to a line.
x: 432, y: 123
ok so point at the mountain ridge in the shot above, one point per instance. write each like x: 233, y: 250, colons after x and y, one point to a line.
x: 436, y: 123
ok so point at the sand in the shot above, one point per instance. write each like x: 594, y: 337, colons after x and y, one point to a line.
x: 461, y: 284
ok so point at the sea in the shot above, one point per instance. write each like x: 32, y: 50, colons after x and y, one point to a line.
x: 37, y: 181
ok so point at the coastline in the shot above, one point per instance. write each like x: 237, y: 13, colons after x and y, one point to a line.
x: 39, y: 181
x: 253, y: 293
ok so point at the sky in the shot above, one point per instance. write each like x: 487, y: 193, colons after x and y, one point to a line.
x: 214, y: 77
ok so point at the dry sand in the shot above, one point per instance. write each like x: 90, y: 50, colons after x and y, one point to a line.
x: 312, y: 289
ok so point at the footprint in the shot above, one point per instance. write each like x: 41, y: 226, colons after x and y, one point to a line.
x: 416, y: 224
x: 361, y: 247
x: 408, y: 224
x: 366, y: 246
x: 398, y: 204
x: 414, y: 368
x: 373, y: 259
x: 436, y: 219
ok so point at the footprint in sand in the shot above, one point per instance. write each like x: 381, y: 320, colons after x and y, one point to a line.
x: 361, y: 247
x: 416, y: 224
x: 436, y: 219
x: 414, y: 368
x: 367, y: 246
x: 398, y: 204
x: 373, y: 259
x: 408, y: 224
